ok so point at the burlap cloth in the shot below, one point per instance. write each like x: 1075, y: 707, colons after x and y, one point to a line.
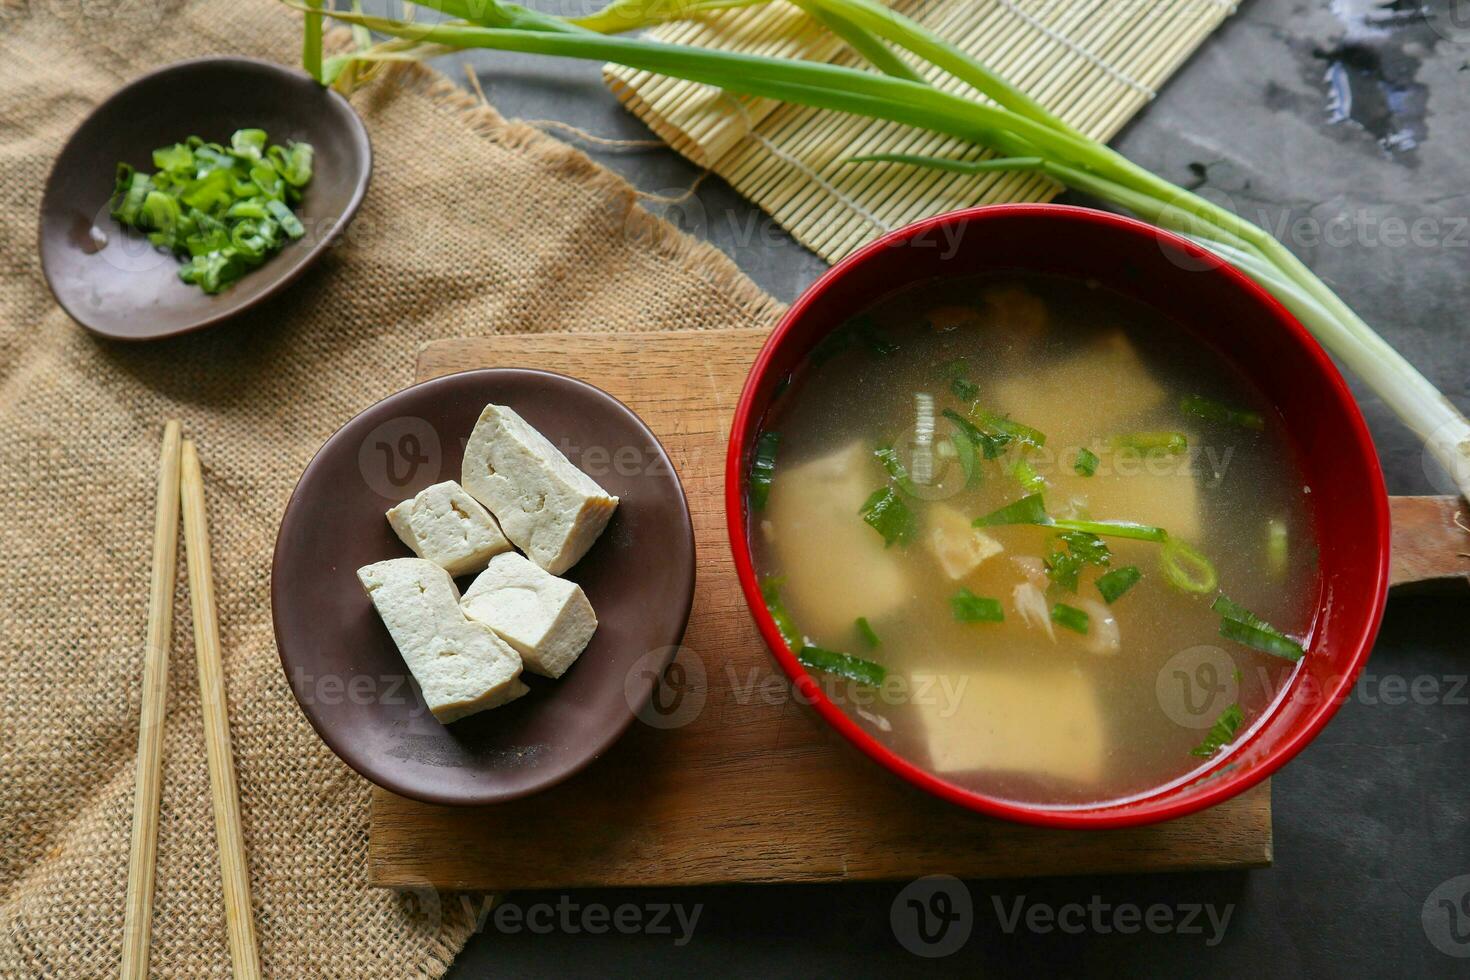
x: 473, y: 225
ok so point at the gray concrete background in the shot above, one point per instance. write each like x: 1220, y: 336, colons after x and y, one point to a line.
x: 1340, y: 125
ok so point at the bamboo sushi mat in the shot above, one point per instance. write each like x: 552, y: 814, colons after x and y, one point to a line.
x: 1093, y: 62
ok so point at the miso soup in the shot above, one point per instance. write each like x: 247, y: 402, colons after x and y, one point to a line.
x: 1035, y: 537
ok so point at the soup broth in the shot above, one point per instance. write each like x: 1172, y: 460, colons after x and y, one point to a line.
x: 1075, y: 647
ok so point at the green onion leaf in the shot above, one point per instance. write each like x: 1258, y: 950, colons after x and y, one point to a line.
x: 866, y: 631
x: 842, y: 664
x: 886, y: 513
x: 1262, y: 640
x: 1153, y: 443
x: 763, y: 468
x: 990, y: 444
x: 785, y: 625
x: 955, y: 370
x: 1276, y: 546
x: 1186, y: 568
x: 1118, y: 581
x: 888, y: 456
x: 1001, y: 425
x: 1221, y: 733
x: 1070, y: 617
x: 1063, y: 568
x: 1086, y: 462
x: 1116, y: 529
x: 1030, y: 509
x: 971, y: 608
x: 1213, y: 411
x: 1086, y: 546
x: 1245, y: 627
x: 964, y: 451
x: 1026, y: 475
x: 964, y: 389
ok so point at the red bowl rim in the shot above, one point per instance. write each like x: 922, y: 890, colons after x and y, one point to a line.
x: 1225, y: 781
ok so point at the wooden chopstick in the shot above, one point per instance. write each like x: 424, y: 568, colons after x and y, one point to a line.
x: 138, y: 914
x: 234, y: 871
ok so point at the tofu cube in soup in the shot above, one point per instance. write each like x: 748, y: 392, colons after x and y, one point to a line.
x: 448, y: 527
x: 836, y: 567
x: 959, y: 547
x: 546, y: 506
x: 548, y: 620
x: 461, y: 666
x: 1046, y: 720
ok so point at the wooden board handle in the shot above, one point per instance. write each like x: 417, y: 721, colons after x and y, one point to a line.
x: 1431, y: 545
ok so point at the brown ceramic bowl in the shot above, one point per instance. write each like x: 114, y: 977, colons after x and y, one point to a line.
x: 344, y: 668
x: 109, y: 278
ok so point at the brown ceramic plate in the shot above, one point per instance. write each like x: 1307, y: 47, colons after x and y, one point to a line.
x: 110, y: 279
x: 344, y: 668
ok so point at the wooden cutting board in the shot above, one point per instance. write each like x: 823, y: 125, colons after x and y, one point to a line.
x: 754, y: 787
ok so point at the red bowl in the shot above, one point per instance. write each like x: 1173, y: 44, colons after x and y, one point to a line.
x: 1231, y: 314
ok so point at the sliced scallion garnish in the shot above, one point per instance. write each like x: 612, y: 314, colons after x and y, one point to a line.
x: 842, y: 664
x: 1243, y: 626
x: 1221, y: 733
x: 1153, y: 443
x: 1030, y: 509
x: 221, y: 210
x: 971, y: 608
x: 1116, y: 582
x: 763, y: 468
x: 964, y: 389
x: 1001, y: 425
x: 964, y: 451
x: 894, y: 467
x: 1086, y: 462
x: 1070, y: 617
x: 990, y: 444
x: 1276, y: 545
x: 866, y: 631
x: 1213, y: 411
x: 1026, y: 475
x: 1186, y: 568
x: 1116, y: 529
x: 785, y: 625
x: 886, y: 513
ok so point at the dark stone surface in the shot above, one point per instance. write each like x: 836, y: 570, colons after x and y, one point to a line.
x: 1375, y: 814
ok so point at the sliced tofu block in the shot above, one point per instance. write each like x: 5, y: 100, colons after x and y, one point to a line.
x: 835, y: 565
x: 1047, y: 722
x: 546, y: 506
x: 448, y: 527
x: 460, y: 666
x: 1163, y: 491
x: 956, y: 545
x: 1094, y: 393
x: 547, y: 619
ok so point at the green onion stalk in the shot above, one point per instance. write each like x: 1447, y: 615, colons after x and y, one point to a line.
x: 1025, y: 135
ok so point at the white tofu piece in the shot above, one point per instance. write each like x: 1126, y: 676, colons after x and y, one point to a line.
x: 448, y: 527
x: 1046, y: 722
x: 546, y: 506
x: 461, y: 667
x: 835, y: 566
x: 958, y: 546
x: 1160, y: 490
x: 1098, y: 392
x: 548, y: 620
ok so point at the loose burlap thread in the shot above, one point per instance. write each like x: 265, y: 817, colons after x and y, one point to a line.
x: 473, y: 225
